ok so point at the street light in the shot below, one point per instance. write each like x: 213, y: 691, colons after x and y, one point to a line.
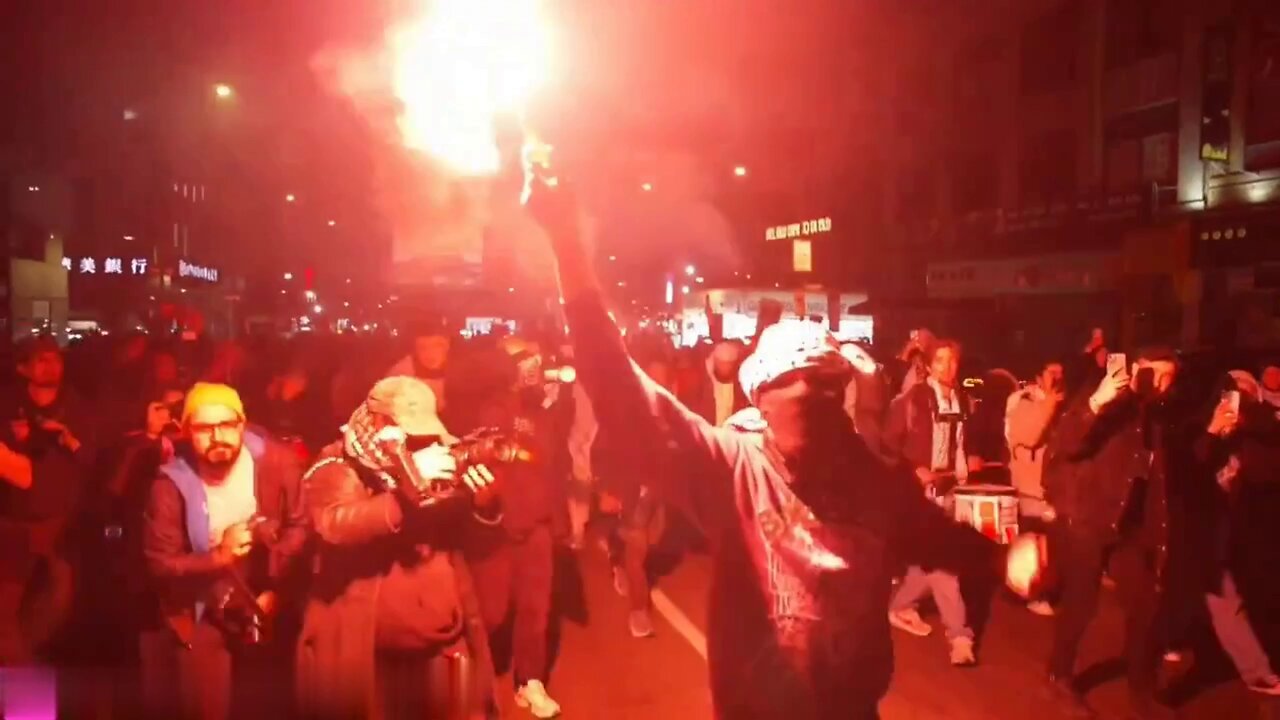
x: 317, y: 309
x: 646, y: 186
x: 290, y: 197
x: 223, y: 91
x: 288, y: 276
x: 690, y: 270
x: 332, y: 223
x: 740, y: 171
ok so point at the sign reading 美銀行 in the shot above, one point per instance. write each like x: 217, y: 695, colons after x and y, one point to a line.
x: 107, y: 266
x: 805, y: 228
x: 199, y: 272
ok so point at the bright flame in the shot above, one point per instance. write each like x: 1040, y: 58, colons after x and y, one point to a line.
x: 461, y: 66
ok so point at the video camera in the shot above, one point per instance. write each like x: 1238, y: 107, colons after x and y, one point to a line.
x: 488, y: 447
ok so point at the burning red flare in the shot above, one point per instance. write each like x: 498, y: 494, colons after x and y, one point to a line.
x: 461, y: 65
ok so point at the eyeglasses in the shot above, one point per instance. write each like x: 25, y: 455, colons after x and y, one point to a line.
x: 227, y: 427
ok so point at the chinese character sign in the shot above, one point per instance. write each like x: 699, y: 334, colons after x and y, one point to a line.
x: 108, y: 266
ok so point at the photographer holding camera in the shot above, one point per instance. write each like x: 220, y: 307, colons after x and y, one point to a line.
x: 45, y: 455
x: 223, y: 526
x: 392, y: 627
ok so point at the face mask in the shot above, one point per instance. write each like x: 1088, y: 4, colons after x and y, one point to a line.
x: 1145, y: 383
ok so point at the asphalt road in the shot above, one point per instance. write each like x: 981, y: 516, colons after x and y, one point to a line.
x: 602, y: 672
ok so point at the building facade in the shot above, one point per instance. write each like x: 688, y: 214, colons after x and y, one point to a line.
x: 1097, y: 163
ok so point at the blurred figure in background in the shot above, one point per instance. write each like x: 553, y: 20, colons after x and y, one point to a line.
x: 293, y: 413
x: 638, y: 525
x: 1238, y: 453
x: 1030, y: 415
x: 428, y: 360
x: 117, y: 605
x: 719, y: 395
x: 47, y: 449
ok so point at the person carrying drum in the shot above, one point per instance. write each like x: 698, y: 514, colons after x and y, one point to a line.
x: 925, y: 431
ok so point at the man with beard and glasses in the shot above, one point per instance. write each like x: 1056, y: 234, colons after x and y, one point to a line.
x: 807, y: 525
x: 1108, y: 490
x: 224, y: 522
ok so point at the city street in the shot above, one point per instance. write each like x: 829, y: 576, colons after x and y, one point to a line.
x: 602, y: 672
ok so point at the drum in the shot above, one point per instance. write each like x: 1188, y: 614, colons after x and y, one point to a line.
x: 991, y: 509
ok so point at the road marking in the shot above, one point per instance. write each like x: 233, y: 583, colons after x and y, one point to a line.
x: 678, y: 620
x: 672, y: 614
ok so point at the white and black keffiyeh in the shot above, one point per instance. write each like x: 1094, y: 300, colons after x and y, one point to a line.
x: 791, y: 345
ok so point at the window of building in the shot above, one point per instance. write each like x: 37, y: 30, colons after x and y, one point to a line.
x: 1262, y: 123
x: 1050, y: 46
x: 1138, y: 29
x: 1047, y: 168
x: 1141, y: 149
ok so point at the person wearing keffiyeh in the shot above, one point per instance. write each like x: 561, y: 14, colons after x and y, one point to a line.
x: 806, y: 524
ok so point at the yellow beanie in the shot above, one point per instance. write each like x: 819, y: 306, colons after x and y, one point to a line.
x: 203, y: 394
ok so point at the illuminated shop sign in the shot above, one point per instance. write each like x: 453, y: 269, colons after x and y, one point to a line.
x: 105, y: 266
x: 806, y: 228
x: 199, y: 272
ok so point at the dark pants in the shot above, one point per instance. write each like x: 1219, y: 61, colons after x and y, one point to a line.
x: 36, y: 586
x: 518, y: 572
x: 211, y: 680
x: 427, y: 684
x: 1081, y: 557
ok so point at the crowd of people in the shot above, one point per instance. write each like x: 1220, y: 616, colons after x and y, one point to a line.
x: 270, y: 534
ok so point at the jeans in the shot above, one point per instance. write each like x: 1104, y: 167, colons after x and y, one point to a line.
x: 519, y: 572
x: 1235, y: 634
x: 1080, y: 558
x: 946, y: 594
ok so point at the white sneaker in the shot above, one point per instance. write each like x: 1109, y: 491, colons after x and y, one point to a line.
x: 640, y: 624
x: 1267, y: 685
x: 620, y: 584
x: 962, y: 652
x: 534, y: 698
x: 909, y: 620
x: 1041, y: 608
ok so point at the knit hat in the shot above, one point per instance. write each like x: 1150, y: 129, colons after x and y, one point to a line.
x: 204, y: 394
x: 791, y: 345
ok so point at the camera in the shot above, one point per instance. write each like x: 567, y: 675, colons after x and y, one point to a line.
x: 489, y: 447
